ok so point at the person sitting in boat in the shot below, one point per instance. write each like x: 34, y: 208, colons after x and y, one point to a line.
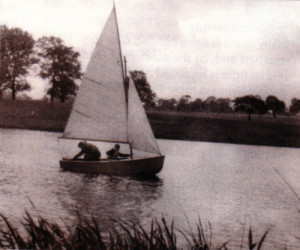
x: 114, y: 153
x: 90, y: 152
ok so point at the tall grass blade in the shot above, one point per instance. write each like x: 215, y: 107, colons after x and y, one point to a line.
x: 262, y: 240
x: 15, y: 239
x: 250, y: 238
x: 242, y: 241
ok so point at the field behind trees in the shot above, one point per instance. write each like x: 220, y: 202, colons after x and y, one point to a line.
x: 215, y: 127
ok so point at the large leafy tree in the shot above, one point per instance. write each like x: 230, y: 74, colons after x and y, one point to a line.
x: 274, y: 104
x: 210, y: 104
x: 223, y: 105
x: 184, y: 103
x: 16, y: 57
x: 219, y: 105
x: 60, y: 65
x: 250, y: 104
x: 4, y: 74
x: 295, y: 105
x: 167, y: 104
x: 145, y: 92
x: 197, y: 105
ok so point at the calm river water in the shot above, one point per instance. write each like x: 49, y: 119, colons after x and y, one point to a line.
x: 231, y: 186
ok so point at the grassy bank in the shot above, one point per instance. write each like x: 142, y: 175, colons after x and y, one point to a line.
x: 38, y: 233
x: 35, y: 115
x: 229, y: 128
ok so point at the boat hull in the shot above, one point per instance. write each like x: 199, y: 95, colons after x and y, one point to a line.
x: 144, y: 166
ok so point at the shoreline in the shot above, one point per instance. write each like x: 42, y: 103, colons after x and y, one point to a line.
x: 283, y: 131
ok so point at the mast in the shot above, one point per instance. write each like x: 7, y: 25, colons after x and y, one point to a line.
x: 125, y: 80
x: 126, y: 84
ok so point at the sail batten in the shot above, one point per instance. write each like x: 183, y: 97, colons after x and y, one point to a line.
x: 94, y: 81
x: 80, y: 113
x: 105, y: 47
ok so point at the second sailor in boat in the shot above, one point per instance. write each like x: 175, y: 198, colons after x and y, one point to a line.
x: 114, y: 153
x: 90, y: 152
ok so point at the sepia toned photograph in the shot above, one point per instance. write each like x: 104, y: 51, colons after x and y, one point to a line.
x: 145, y: 124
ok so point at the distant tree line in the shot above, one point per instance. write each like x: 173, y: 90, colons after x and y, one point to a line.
x: 250, y: 104
x: 211, y: 104
x: 51, y: 59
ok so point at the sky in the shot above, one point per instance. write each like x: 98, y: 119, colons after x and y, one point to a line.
x: 195, y: 47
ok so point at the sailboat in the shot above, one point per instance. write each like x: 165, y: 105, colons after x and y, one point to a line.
x: 107, y: 108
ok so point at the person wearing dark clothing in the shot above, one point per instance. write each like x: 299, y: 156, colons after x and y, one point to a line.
x: 90, y: 152
x: 114, y: 153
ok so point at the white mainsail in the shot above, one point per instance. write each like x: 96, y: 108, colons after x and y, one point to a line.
x: 99, y: 111
x: 139, y: 130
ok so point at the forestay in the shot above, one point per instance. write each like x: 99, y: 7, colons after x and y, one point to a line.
x: 139, y: 130
x: 99, y: 111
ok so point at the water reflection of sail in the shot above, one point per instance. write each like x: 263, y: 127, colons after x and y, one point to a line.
x: 110, y: 198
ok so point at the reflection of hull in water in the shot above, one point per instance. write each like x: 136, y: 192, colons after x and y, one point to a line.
x: 143, y: 166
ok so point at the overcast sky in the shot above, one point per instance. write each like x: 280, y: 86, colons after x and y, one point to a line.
x: 201, y: 48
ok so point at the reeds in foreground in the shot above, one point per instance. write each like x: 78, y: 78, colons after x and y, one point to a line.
x: 41, y: 234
